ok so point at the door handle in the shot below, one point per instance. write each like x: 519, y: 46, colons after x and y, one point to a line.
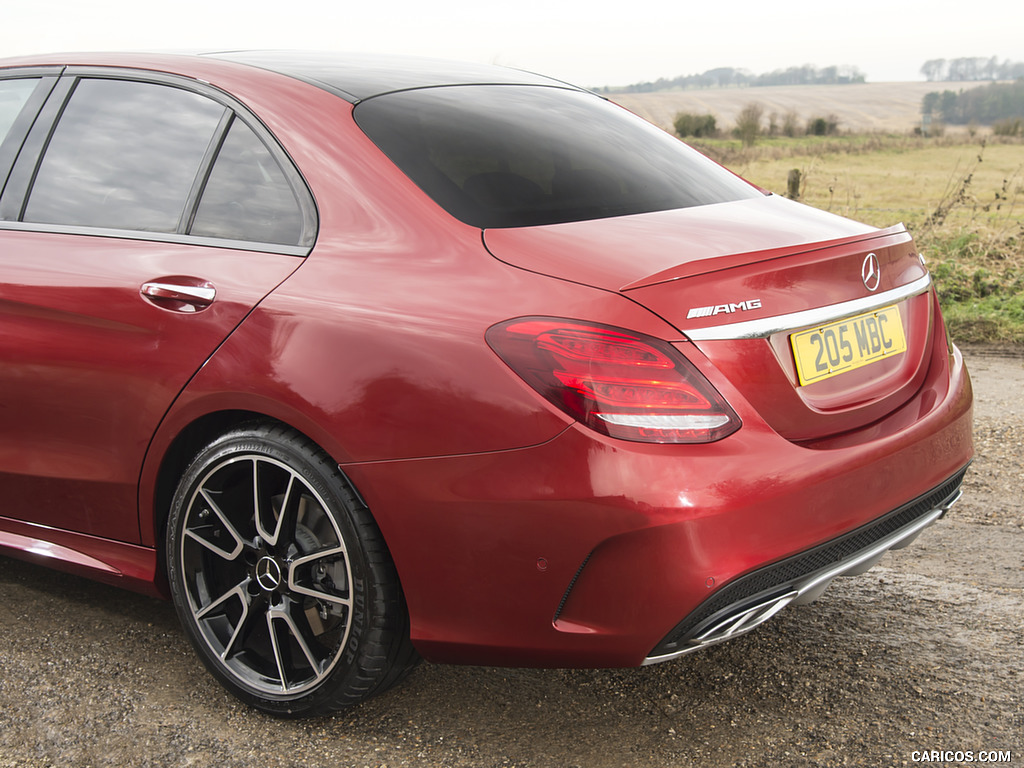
x: 183, y: 298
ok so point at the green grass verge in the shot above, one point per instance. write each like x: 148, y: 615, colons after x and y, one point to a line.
x: 981, y: 305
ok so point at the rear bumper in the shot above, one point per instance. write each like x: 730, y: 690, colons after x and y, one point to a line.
x: 751, y: 600
x: 591, y: 552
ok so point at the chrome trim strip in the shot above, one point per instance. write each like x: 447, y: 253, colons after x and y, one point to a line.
x: 760, y: 329
x: 741, y: 623
x: 157, y: 237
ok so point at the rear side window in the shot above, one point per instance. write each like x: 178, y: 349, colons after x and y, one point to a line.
x: 124, y: 155
x: 13, y: 95
x: 513, y: 156
x: 247, y: 196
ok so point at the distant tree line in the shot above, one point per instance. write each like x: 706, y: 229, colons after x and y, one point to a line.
x: 726, y: 77
x: 971, y: 68
x: 986, y: 104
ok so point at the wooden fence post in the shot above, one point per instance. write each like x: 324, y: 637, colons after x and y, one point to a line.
x: 793, y: 184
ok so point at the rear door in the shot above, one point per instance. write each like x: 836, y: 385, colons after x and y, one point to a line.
x: 143, y: 219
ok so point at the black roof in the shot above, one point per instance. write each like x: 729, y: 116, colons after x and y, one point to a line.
x: 356, y: 77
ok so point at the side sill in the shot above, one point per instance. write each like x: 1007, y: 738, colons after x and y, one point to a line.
x: 128, y: 566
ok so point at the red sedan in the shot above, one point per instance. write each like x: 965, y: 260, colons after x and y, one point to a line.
x: 365, y: 359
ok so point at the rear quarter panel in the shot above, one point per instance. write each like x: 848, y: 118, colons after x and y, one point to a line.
x: 375, y: 346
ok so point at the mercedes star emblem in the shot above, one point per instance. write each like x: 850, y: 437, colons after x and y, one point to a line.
x: 870, y: 272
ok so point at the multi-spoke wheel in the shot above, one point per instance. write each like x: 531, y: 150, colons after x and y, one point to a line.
x: 281, y: 578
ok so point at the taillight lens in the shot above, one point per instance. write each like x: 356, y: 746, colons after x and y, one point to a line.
x: 617, y: 382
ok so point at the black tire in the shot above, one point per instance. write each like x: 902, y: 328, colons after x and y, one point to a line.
x: 282, y: 579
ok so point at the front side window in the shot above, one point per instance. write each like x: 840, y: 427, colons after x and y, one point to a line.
x: 13, y: 95
x: 123, y: 156
x: 513, y: 156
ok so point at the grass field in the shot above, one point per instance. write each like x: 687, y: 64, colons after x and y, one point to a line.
x: 963, y: 202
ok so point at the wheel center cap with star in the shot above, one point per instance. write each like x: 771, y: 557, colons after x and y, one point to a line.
x: 268, y: 573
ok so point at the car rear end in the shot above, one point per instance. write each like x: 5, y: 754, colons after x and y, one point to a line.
x: 789, y: 409
x: 837, y: 421
x: 841, y: 350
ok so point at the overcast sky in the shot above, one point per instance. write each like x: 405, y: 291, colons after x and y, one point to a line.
x: 588, y: 43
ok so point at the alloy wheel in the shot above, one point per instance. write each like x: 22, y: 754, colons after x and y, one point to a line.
x: 267, y: 575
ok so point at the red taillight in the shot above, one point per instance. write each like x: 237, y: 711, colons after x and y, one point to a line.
x: 620, y: 383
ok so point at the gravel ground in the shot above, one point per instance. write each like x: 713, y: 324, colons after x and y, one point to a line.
x: 923, y: 652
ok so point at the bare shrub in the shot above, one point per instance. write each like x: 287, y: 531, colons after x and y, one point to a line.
x: 1011, y: 126
x: 748, y: 124
x: 698, y: 126
x: 791, y: 125
x: 823, y: 126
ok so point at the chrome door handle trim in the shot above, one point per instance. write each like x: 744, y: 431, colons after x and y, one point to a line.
x: 190, y: 294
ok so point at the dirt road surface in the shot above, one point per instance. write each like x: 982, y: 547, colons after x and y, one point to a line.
x: 924, y: 652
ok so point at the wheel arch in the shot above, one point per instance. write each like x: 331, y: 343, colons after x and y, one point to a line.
x: 182, y: 448
x: 172, y: 465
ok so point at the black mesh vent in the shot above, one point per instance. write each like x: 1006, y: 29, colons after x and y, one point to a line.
x: 572, y: 584
x: 779, y: 578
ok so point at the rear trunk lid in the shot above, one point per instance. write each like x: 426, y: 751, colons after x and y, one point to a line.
x: 822, y: 324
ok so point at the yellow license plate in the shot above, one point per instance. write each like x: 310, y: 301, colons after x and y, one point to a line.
x: 842, y: 346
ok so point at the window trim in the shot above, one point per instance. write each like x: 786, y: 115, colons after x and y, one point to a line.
x: 156, y: 237
x: 195, y: 195
x: 12, y: 143
x: 23, y: 174
x: 15, y: 196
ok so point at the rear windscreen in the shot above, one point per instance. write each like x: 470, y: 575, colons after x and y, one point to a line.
x: 515, y: 156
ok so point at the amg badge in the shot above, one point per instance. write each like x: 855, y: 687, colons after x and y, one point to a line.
x: 718, y: 309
